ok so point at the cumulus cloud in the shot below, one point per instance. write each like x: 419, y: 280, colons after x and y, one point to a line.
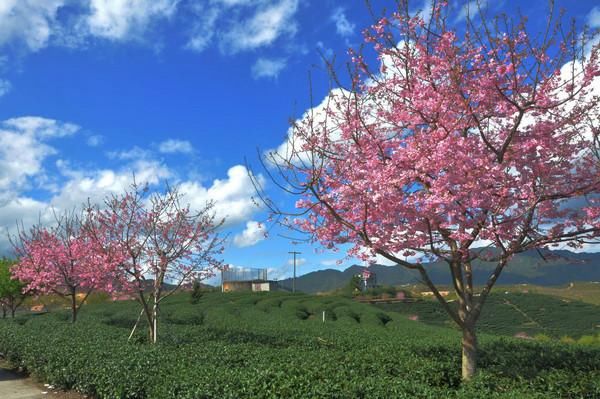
x: 20, y: 211
x: 172, y: 146
x: 343, y: 26
x: 231, y: 25
x: 262, y: 28
x: 424, y: 10
x: 95, y: 185
x: 41, y: 127
x: 126, y: 19
x: 24, y: 148
x: 30, y: 22
x: 35, y: 24
x: 27, y: 197
x: 233, y: 196
x: 593, y: 17
x: 268, y: 67
x: 252, y: 234
x: 291, y: 149
x: 242, y: 25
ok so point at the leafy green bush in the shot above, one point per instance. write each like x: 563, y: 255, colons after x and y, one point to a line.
x: 255, y: 346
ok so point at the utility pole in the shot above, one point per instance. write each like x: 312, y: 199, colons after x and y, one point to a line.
x: 294, y: 279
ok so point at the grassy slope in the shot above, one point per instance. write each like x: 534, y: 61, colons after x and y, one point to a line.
x: 588, y: 292
x: 513, y: 310
x: 275, y: 345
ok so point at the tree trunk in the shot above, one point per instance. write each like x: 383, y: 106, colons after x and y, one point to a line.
x: 3, y: 312
x: 73, y: 306
x: 12, y: 304
x: 469, y: 352
x: 154, y: 321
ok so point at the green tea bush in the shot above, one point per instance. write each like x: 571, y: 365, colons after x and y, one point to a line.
x: 254, y: 346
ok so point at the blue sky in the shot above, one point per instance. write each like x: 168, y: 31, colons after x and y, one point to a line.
x: 180, y: 90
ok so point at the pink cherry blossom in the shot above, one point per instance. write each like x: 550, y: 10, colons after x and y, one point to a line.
x: 484, y: 137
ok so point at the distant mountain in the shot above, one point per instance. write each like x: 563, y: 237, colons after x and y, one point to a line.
x: 555, y: 268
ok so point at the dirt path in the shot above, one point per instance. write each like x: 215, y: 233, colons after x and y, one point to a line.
x: 18, y: 386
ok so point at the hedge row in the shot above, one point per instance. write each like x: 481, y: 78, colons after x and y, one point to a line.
x: 242, y: 346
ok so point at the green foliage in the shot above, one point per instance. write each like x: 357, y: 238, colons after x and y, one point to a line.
x: 196, y: 293
x: 542, y: 338
x: 11, y: 290
x: 589, y: 340
x: 275, y: 345
x: 515, y: 313
x: 8, y: 286
x: 382, y: 291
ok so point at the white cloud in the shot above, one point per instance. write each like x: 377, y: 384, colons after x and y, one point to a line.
x: 95, y: 140
x: 299, y: 262
x: 172, y: 146
x: 134, y: 153
x: 41, y: 127
x: 266, y: 25
x: 268, y: 67
x: 204, y: 26
x: 252, y: 234
x: 95, y: 185
x: 593, y: 17
x: 20, y: 211
x: 326, y: 52
x: 5, y: 87
x: 35, y: 23
x: 234, y: 25
x: 23, y: 149
x: 471, y: 10
x: 424, y: 11
x: 276, y: 273
x: 126, y: 19
x: 291, y: 150
x: 330, y: 262
x: 233, y: 196
x: 241, y: 25
x: 343, y: 26
x: 30, y: 22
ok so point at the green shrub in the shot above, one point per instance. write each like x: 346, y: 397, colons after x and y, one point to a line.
x: 256, y: 346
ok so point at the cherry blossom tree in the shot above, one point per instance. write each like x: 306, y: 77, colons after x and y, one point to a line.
x: 466, y: 136
x: 63, y: 259
x: 162, y: 242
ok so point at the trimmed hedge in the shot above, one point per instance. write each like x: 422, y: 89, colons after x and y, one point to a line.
x: 265, y: 346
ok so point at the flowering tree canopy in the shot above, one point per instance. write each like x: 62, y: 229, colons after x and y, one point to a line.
x: 161, y: 242
x: 485, y: 135
x: 65, y: 260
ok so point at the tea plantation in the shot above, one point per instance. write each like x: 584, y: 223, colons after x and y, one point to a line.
x: 276, y: 346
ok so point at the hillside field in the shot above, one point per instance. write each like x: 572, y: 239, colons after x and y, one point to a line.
x: 275, y: 345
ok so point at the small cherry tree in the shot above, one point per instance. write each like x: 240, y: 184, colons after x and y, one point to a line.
x: 480, y: 136
x: 63, y: 259
x: 161, y: 242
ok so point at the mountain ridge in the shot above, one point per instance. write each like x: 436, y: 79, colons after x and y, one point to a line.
x: 554, y: 268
